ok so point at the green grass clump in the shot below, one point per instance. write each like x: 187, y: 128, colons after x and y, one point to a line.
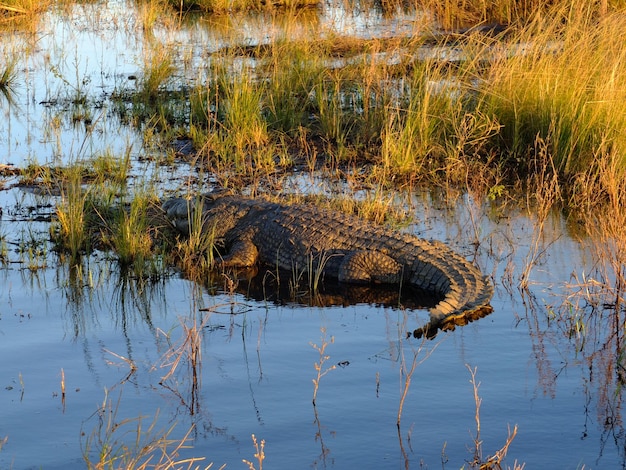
x: 292, y: 72
x: 130, y: 233
x: 8, y: 79
x: 566, y: 86
x: 70, y: 230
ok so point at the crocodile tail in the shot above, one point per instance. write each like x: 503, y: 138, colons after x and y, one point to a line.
x: 444, y: 316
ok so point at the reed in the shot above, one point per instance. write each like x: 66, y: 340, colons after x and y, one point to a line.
x: 455, y: 14
x: 195, y: 253
x: 131, y: 238
x: 562, y: 81
x: 416, y: 127
x: 9, y: 76
x: 70, y: 229
x: 134, y: 443
x: 292, y: 71
x: 158, y: 69
x: 244, y: 127
x: 224, y: 6
x: 23, y: 13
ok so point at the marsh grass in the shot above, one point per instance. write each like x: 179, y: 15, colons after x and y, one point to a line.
x: 158, y: 69
x: 545, y: 188
x: 187, y: 351
x: 9, y: 77
x: 195, y: 253
x: 454, y: 14
x: 33, y: 250
x: 23, y: 13
x: 70, y: 231
x: 131, y: 239
x: 134, y: 443
x: 563, y: 85
x: 292, y: 71
x: 225, y: 6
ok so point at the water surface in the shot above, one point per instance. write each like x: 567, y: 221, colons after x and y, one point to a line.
x: 108, y: 340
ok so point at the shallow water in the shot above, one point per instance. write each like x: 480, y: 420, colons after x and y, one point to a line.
x: 258, y: 361
x: 553, y: 371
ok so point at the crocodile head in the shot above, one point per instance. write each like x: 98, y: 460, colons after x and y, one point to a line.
x: 181, y: 211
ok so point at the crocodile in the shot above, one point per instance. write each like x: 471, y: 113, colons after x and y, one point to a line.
x: 330, y: 244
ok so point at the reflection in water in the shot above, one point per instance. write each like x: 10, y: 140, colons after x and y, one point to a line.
x: 590, y: 318
x: 323, y: 458
x: 284, y: 288
x: 92, y: 287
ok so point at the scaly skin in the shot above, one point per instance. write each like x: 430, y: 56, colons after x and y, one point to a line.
x: 333, y: 244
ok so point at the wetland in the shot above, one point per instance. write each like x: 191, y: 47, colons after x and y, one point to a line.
x: 495, y: 129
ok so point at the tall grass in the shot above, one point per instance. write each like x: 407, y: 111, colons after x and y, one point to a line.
x: 292, y: 71
x: 70, y: 232
x: 18, y: 10
x: 565, y: 83
x: 130, y: 238
x: 223, y: 6
x: 455, y: 14
x: 415, y: 127
x: 9, y: 76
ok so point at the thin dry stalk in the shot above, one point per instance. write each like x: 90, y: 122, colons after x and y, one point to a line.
x: 63, y: 389
x: 491, y: 462
x: 259, y: 455
x: 189, y: 349
x: 407, y: 373
x: 477, y: 400
x: 131, y: 364
x: 544, y: 184
x: 150, y: 449
x: 323, y: 358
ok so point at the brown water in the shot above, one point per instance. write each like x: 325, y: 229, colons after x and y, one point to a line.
x: 548, y: 360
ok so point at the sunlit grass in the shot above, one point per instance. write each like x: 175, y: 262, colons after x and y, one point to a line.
x: 130, y: 234
x: 11, y: 9
x: 223, y: 6
x: 9, y: 76
x: 134, y: 443
x: 565, y: 86
x: 70, y: 231
x: 454, y: 14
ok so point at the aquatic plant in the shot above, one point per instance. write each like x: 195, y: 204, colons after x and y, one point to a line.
x: 157, y: 70
x: 194, y: 254
x: 22, y: 12
x: 8, y: 78
x: 455, y: 14
x: 108, y: 444
x: 562, y: 82
x: 223, y: 6
x: 292, y: 70
x: 323, y: 357
x: 70, y: 230
x: 259, y: 455
x: 130, y: 233
x: 495, y: 461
